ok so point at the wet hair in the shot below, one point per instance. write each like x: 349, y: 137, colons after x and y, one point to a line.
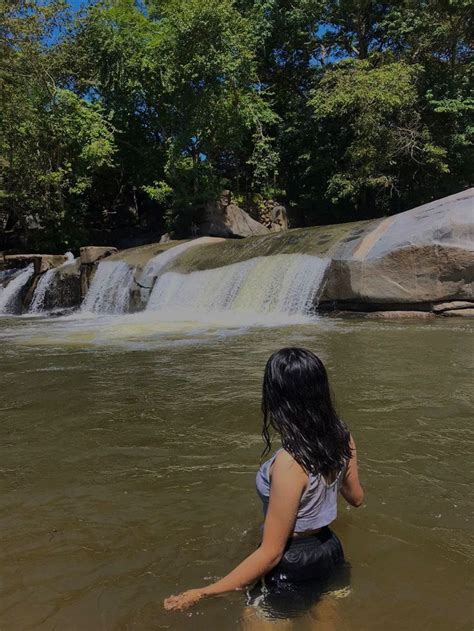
x: 297, y: 403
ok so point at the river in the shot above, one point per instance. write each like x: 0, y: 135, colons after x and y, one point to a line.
x: 129, y: 452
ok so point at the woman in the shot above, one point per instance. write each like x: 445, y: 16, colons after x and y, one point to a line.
x: 298, y: 485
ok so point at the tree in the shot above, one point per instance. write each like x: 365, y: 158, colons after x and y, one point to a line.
x: 53, y: 143
x: 370, y: 114
x: 126, y: 118
x: 215, y: 116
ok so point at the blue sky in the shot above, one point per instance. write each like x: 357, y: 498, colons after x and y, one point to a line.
x: 75, y: 4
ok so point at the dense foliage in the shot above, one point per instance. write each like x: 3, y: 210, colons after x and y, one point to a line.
x: 125, y: 118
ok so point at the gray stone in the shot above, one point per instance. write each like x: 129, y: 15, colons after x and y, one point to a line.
x: 459, y: 313
x: 450, y: 306
x: 67, y: 287
x: 225, y: 198
x: 279, y: 219
x: 49, y: 261
x: 42, y: 262
x: 92, y: 253
x: 223, y: 219
x: 420, y: 256
x: 64, y: 292
x: 241, y: 223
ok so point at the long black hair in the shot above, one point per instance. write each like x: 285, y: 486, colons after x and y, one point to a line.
x: 297, y: 403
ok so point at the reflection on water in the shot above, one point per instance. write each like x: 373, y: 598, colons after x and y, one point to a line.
x: 129, y: 456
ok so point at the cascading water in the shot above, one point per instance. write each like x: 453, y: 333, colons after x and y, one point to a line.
x: 256, y: 289
x: 6, y: 276
x: 261, y: 289
x: 42, y: 287
x: 110, y: 290
x: 158, y: 263
x: 114, y: 281
x: 11, y: 294
x: 46, y: 285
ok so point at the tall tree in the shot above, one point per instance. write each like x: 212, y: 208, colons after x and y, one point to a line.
x: 52, y: 142
x: 126, y: 118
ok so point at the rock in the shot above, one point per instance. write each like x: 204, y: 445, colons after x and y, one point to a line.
x: 225, y: 198
x: 139, y: 257
x: 241, y: 223
x: 418, y: 257
x: 41, y: 262
x: 66, y: 292
x: 389, y: 315
x: 451, y: 306
x: 279, y: 219
x: 63, y: 291
x: 48, y: 262
x: 459, y: 313
x: 92, y: 253
x: 269, y: 213
x: 224, y: 219
x: 165, y: 238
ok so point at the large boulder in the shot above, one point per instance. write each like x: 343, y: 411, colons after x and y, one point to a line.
x: 63, y: 289
x: 222, y: 218
x: 419, y: 257
x: 66, y: 289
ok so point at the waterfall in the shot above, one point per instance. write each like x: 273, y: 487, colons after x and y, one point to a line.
x: 11, y: 294
x: 113, y: 283
x: 158, y: 263
x: 46, y: 285
x: 42, y: 287
x: 111, y: 287
x: 6, y: 276
x: 279, y: 285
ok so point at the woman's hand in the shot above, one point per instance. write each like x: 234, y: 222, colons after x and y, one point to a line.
x: 184, y: 600
x: 288, y: 484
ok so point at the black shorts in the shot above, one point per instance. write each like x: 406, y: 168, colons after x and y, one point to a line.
x: 309, y: 567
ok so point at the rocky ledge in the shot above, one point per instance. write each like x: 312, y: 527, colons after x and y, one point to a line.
x: 422, y: 259
x: 415, y: 264
x: 42, y: 262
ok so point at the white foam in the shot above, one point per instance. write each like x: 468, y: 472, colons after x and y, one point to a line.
x: 45, y: 285
x: 262, y: 289
x: 110, y: 290
x: 10, y: 295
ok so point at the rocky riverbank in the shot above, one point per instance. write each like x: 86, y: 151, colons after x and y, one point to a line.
x: 417, y: 263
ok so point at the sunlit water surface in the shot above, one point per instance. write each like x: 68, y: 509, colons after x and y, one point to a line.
x: 129, y: 451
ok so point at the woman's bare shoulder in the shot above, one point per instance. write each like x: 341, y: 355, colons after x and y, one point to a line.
x: 286, y: 463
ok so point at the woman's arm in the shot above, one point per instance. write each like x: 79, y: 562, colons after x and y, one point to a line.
x: 351, y: 489
x: 288, y: 484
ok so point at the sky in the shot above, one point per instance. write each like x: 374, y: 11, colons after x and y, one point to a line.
x: 76, y: 4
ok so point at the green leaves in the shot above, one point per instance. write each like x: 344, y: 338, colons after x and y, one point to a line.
x: 131, y: 115
x: 371, y: 111
x: 357, y: 87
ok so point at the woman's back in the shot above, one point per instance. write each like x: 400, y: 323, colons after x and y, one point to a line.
x: 318, y: 504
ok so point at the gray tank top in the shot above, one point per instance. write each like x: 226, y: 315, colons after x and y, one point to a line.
x: 318, y: 506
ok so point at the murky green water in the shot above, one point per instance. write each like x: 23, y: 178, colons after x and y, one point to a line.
x: 129, y: 456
